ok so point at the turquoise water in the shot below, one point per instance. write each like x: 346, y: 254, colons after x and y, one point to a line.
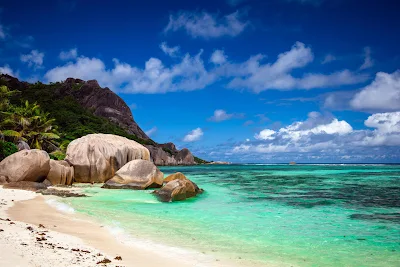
x: 302, y: 215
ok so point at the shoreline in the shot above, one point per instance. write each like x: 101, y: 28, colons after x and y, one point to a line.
x: 71, y: 231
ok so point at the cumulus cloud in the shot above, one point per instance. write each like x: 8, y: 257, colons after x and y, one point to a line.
x: 151, y: 132
x: 190, y: 73
x: 259, y: 77
x: 266, y: 134
x: 7, y: 70
x: 222, y: 115
x: 328, y: 58
x: 206, y: 25
x: 68, y: 55
x: 33, y: 59
x: 187, y: 75
x: 368, y: 61
x: 193, y: 135
x: 382, y: 94
x: 326, y: 134
x: 170, y: 51
x: 218, y: 57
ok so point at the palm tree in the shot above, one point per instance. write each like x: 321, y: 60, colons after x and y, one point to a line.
x: 5, y: 95
x: 28, y: 123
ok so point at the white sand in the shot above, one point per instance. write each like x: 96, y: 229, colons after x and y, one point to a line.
x: 66, y: 231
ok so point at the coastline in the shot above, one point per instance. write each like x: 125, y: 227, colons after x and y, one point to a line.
x: 69, y: 231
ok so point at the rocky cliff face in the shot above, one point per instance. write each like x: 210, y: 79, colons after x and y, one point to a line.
x: 105, y: 103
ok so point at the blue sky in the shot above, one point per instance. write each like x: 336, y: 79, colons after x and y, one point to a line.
x: 236, y: 80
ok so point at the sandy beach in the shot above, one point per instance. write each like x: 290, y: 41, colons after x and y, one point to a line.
x: 33, y: 233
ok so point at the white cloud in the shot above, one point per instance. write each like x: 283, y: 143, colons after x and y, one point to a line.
x: 328, y: 58
x: 193, y: 135
x: 34, y: 59
x: 382, y: 94
x: 260, y: 77
x: 206, y: 25
x: 266, y: 134
x: 368, y: 61
x: 151, y: 132
x: 220, y: 115
x: 324, y: 134
x: 385, y: 122
x: 68, y: 55
x: 190, y: 73
x: 170, y: 51
x: 218, y: 57
x: 187, y: 75
x: 7, y: 70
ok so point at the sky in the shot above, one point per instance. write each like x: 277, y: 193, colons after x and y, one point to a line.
x: 243, y: 81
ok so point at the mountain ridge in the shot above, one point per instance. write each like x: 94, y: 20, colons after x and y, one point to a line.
x: 82, y: 107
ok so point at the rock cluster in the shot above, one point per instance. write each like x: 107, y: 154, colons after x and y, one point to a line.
x: 136, y: 174
x: 177, y: 188
x: 97, y: 157
x: 116, y: 161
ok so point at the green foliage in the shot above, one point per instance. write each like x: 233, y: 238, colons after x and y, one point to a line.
x: 30, y: 124
x: 57, y: 155
x: 6, y: 149
x: 200, y: 161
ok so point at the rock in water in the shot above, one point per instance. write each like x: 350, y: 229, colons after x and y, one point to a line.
x: 25, y: 185
x: 175, y: 176
x: 60, y: 173
x: 97, y: 157
x: 26, y: 165
x: 136, y: 174
x: 178, y: 189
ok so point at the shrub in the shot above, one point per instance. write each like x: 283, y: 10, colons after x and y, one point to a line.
x: 7, y: 149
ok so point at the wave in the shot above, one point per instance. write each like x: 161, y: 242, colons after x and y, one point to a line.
x: 60, y: 206
x: 167, y: 251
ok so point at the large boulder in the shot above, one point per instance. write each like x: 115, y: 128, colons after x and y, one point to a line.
x: 26, y: 165
x: 26, y: 185
x: 97, y: 157
x: 175, y: 176
x: 136, y: 174
x: 178, y: 189
x: 60, y: 173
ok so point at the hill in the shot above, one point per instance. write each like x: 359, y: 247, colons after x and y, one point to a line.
x: 83, y: 107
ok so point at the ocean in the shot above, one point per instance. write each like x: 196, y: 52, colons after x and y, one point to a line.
x: 283, y: 215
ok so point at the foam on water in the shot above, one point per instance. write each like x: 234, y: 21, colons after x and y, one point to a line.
x: 65, y: 208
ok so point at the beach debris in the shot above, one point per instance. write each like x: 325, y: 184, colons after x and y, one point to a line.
x: 103, y: 261
x: 75, y: 249
x: 85, y: 251
x: 41, y: 225
x: 12, y: 222
x: 39, y: 239
x: 29, y: 228
x: 7, y: 220
x: 1, y: 230
x: 99, y: 255
x: 118, y: 258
